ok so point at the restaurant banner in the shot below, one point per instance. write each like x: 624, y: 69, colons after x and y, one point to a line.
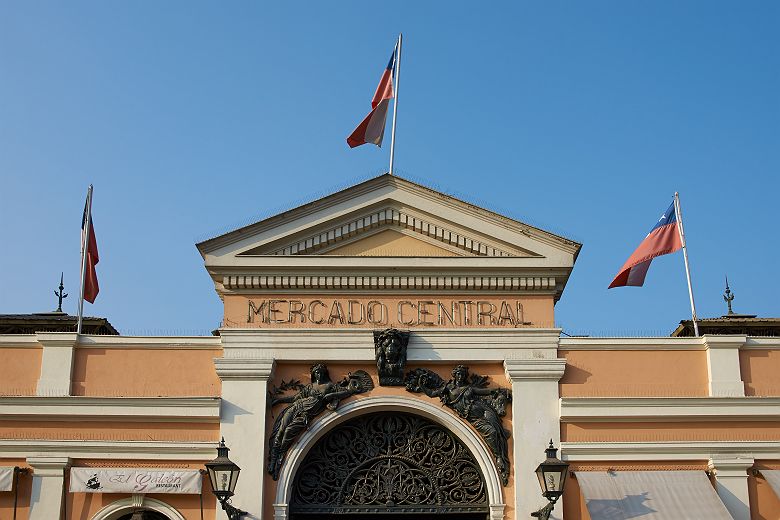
x: 6, y: 478
x: 134, y: 480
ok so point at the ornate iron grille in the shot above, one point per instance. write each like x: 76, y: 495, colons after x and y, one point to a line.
x: 389, y: 463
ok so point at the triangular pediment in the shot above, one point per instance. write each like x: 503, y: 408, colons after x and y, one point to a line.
x: 359, y: 230
x: 388, y: 231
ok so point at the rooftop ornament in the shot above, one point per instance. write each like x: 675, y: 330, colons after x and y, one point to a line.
x: 60, y: 294
x: 728, y: 296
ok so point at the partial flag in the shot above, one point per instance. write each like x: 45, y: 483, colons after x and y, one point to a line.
x: 663, y: 239
x: 90, y: 257
x: 372, y: 128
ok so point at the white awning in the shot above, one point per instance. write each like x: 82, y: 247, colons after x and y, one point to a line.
x: 650, y: 495
x: 773, y: 477
x: 6, y: 478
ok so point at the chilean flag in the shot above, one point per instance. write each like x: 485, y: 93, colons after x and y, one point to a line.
x: 91, y: 257
x: 372, y: 128
x: 663, y: 239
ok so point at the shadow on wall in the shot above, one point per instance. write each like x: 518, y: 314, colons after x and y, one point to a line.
x: 631, y: 506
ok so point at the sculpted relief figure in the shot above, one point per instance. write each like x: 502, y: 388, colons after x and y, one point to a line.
x: 390, y: 349
x: 468, y: 396
x: 305, y: 405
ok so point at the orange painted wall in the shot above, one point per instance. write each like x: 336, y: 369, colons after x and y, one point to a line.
x: 338, y: 370
x: 574, y: 507
x: 538, y: 310
x: 129, y: 372
x: 634, y: 373
x: 25, y: 489
x: 83, y: 506
x: 20, y: 369
x: 670, y: 431
x: 98, y: 430
x: 760, y: 369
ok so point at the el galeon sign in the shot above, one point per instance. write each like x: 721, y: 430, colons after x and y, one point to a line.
x: 387, y: 312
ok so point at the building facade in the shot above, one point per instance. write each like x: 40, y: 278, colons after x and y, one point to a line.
x: 388, y: 349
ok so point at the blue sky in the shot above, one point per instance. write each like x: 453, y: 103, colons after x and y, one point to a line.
x: 582, y: 118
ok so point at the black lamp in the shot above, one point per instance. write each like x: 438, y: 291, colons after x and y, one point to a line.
x: 223, y: 475
x: 552, y: 479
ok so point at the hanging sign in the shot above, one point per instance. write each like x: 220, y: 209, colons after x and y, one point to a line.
x: 6, y: 478
x: 134, y: 480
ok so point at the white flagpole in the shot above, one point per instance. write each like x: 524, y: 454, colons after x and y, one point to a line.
x: 681, y: 230
x: 396, y: 88
x: 84, y: 243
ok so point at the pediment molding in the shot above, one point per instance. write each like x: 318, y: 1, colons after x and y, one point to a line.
x: 409, y: 223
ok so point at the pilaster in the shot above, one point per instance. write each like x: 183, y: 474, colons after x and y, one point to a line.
x: 732, y: 484
x: 47, y: 482
x: 725, y: 378
x: 57, y: 362
x: 242, y: 424
x: 535, y: 420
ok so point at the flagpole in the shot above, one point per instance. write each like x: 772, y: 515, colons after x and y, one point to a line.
x: 396, y: 87
x: 681, y: 230
x: 84, y: 243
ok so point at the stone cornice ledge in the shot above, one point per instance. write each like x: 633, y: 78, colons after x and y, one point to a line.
x: 627, y: 409
x: 244, y: 368
x: 79, y: 408
x: 675, y: 450
x: 524, y: 369
x: 46, y: 450
x: 57, y: 339
x: 48, y: 466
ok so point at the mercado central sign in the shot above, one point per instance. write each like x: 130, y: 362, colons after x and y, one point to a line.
x: 406, y: 311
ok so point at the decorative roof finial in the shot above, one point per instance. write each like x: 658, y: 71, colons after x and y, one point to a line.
x: 60, y: 294
x: 728, y: 296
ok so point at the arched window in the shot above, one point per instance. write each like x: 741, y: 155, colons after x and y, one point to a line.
x: 397, y: 464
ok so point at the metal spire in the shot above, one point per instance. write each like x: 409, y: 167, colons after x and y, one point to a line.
x: 728, y: 296
x: 60, y: 294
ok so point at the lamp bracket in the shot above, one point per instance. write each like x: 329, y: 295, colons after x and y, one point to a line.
x: 544, y: 513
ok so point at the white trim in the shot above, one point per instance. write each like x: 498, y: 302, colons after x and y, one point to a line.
x: 175, y: 409
x: 19, y: 341
x: 754, y: 343
x: 669, y: 409
x: 440, y: 345
x: 88, y: 449
x: 647, y: 451
x: 397, y: 281
x: 151, y: 342
x: 617, y: 343
x: 297, y: 453
x: 124, y: 506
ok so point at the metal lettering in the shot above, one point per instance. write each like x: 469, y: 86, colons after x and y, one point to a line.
x: 505, y: 314
x: 272, y: 311
x: 350, y: 306
x: 466, y: 311
x: 443, y: 313
x: 422, y: 312
x: 482, y: 313
x: 296, y: 311
x: 370, y: 306
x: 401, y: 312
x: 311, y: 311
x: 253, y: 311
x: 336, y: 313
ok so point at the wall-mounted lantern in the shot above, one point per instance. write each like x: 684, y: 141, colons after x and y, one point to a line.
x: 223, y: 475
x: 552, y: 479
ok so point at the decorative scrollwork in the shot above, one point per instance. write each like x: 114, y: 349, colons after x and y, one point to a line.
x: 310, y: 401
x: 385, y: 463
x: 481, y: 406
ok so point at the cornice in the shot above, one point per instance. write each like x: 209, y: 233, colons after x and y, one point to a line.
x: 90, y: 449
x: 675, y: 450
x: 618, y: 343
x: 57, y: 339
x: 133, y: 409
x: 534, y: 369
x: 724, y: 342
x: 44, y: 466
x: 517, y: 284
x: 391, y: 218
x: 151, y: 342
x: 244, y: 368
x: 669, y: 409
